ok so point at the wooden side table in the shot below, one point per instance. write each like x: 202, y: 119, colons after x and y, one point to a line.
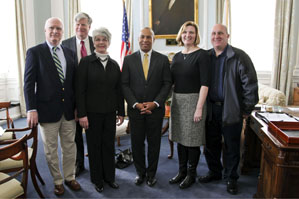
x: 296, y: 96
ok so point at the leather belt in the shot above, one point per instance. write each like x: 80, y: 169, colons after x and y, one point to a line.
x: 217, y: 103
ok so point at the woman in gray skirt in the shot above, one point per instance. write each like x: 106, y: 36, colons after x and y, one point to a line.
x: 190, y: 70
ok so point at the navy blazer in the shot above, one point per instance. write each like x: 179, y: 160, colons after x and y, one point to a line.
x: 137, y: 89
x: 43, y: 90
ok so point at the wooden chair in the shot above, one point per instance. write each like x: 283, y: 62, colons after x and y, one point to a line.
x: 9, y: 122
x: 122, y: 130
x: 11, y: 165
x: 10, y: 187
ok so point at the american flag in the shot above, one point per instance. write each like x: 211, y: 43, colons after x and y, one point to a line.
x: 125, y: 44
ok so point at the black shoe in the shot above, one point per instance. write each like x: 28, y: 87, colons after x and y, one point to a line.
x: 178, y: 178
x: 113, y: 185
x: 99, y: 188
x: 187, y: 182
x: 209, y: 178
x: 151, y: 181
x: 232, y: 187
x: 139, y: 180
x: 79, y: 169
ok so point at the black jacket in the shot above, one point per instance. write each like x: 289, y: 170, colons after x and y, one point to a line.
x: 138, y: 90
x: 240, y: 86
x: 98, y: 90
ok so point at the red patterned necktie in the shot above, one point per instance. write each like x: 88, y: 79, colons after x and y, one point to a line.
x: 83, y: 50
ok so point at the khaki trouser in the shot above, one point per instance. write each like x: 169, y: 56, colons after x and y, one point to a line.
x: 66, y: 131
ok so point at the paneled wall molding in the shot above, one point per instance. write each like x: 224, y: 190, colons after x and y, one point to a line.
x: 9, y: 89
x: 264, y: 77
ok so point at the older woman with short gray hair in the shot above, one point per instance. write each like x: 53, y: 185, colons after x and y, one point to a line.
x: 100, y: 107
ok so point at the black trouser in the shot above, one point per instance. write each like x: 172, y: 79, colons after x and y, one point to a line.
x: 101, y: 149
x: 148, y: 128
x: 188, y: 159
x: 231, y: 135
x: 79, y: 145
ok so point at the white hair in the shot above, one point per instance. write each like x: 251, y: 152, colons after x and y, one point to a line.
x: 53, y: 18
x: 102, y: 31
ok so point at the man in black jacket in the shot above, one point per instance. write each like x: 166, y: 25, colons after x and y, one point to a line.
x: 232, y: 96
x: 82, y: 45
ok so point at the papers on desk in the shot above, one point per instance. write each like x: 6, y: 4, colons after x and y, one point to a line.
x: 282, y: 117
x: 294, y: 109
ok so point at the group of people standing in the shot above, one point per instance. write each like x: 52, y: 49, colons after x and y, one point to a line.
x: 76, y: 85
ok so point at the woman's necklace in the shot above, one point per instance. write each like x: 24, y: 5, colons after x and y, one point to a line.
x: 185, y: 56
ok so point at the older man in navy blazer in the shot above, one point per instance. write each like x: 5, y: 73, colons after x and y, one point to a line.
x: 82, y: 45
x: 146, y: 82
x: 49, y: 95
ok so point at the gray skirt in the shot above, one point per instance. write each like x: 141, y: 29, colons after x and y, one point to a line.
x: 183, y: 129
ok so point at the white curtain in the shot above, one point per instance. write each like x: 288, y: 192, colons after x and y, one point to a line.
x: 128, y: 4
x: 219, y: 11
x: 74, y: 8
x: 21, y: 50
x: 284, y: 47
x: 223, y: 14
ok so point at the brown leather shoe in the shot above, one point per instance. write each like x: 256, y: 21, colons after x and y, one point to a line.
x: 73, y: 184
x: 59, y: 189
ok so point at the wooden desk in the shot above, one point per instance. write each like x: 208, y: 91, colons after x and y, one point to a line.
x: 279, y: 162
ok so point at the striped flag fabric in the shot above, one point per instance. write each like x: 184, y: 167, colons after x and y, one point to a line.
x: 125, y: 44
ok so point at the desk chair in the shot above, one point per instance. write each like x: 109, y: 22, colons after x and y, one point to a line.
x: 10, y: 187
x: 12, y: 165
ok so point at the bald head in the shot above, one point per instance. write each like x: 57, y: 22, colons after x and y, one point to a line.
x: 54, y: 30
x: 146, y: 39
x: 219, y: 37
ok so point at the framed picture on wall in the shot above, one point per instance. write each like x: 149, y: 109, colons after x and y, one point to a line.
x: 167, y: 16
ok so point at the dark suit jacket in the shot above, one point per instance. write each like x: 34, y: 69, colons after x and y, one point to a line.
x: 98, y: 90
x: 155, y: 88
x: 171, y: 20
x: 71, y: 44
x: 43, y: 90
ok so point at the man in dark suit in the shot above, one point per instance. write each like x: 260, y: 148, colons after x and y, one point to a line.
x: 49, y: 94
x: 169, y: 15
x: 82, y: 45
x: 146, y: 82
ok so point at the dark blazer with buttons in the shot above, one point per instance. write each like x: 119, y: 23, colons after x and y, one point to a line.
x: 71, y: 44
x: 138, y: 90
x: 43, y: 90
x: 98, y: 90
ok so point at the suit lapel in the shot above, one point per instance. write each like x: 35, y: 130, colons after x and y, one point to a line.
x: 91, y: 44
x: 152, y: 64
x: 139, y: 67
x: 74, y: 44
x: 67, y: 72
x: 50, y: 62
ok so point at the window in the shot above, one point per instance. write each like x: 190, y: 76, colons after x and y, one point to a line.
x: 253, y: 30
x: 106, y: 14
x: 8, y: 42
